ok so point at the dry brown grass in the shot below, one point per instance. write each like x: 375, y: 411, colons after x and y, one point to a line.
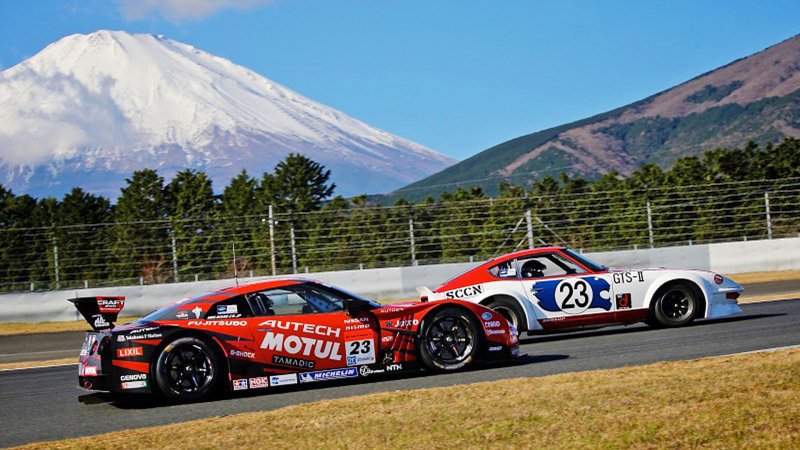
x: 764, y: 277
x: 50, y: 327
x: 744, y: 401
x: 49, y: 362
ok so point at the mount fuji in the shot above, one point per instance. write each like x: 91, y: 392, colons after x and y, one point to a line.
x: 90, y: 109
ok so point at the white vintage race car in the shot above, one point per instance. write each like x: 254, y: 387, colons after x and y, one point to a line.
x: 557, y: 288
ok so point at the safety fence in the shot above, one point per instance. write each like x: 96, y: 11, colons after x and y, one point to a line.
x: 370, y: 236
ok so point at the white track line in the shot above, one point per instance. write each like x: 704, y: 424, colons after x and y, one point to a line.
x: 40, y: 367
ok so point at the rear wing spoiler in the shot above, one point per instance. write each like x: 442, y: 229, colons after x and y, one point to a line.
x: 101, y: 312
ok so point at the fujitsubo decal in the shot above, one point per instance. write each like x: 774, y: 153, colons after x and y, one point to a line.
x: 469, y: 291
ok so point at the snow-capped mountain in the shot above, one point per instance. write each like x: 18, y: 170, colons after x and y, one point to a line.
x: 90, y: 109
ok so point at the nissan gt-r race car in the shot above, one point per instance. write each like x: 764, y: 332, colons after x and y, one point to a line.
x: 556, y: 288
x: 278, y: 333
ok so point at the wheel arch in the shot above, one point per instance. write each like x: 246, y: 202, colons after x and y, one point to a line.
x: 528, y: 316
x: 694, y: 284
x: 214, y: 343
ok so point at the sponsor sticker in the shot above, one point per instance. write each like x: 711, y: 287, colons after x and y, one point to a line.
x: 491, y: 332
x: 394, y: 367
x: 100, y: 322
x: 389, y: 338
x: 366, y: 371
x: 197, y: 311
x: 495, y: 348
x: 227, y: 309
x: 182, y: 315
x: 242, y: 354
x: 292, y: 361
x: 240, y: 384
x: 322, y: 375
x: 623, y: 301
x: 469, y: 291
x: 133, y: 377
x: 360, y: 352
x: 282, y: 380
x: 90, y: 371
x: 492, y: 324
x: 129, y: 352
x: 134, y: 384
x: 486, y: 316
x: 259, y: 382
x: 293, y: 345
x: 405, y: 323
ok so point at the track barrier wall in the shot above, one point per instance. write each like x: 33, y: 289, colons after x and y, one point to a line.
x: 401, y: 282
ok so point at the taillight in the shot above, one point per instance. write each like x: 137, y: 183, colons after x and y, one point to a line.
x: 93, y: 350
x: 732, y: 295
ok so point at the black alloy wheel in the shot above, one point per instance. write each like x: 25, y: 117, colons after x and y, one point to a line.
x: 449, y: 339
x: 187, y: 369
x: 676, y: 306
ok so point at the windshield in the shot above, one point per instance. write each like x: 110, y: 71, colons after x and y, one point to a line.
x: 591, y: 265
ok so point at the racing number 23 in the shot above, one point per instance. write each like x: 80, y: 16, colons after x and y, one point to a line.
x: 573, y: 295
x: 359, y: 347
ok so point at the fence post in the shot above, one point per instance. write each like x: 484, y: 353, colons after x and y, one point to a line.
x: 174, y: 256
x: 272, y: 241
x: 529, y: 221
x: 413, y: 246
x: 294, y: 252
x: 769, y: 219
x: 649, y: 223
x: 55, y: 263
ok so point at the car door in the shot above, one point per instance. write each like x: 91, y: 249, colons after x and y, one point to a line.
x: 304, y: 328
x: 564, y: 293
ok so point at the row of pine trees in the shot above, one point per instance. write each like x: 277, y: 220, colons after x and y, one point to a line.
x: 181, y: 230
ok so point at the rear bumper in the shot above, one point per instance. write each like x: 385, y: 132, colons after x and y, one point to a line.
x: 95, y: 383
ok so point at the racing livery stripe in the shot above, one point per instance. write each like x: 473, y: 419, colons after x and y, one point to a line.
x: 132, y: 365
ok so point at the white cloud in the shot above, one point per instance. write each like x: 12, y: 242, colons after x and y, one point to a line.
x: 179, y: 10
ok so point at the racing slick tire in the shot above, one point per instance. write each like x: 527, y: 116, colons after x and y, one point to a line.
x: 449, y: 340
x: 675, y: 305
x: 511, y: 310
x: 187, y: 369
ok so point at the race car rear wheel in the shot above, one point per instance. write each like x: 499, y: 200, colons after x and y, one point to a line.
x: 187, y: 369
x: 449, y: 339
x: 676, y: 305
x: 511, y: 310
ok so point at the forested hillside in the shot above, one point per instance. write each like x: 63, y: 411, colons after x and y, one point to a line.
x: 162, y: 231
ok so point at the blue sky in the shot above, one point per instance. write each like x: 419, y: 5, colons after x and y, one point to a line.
x: 457, y: 76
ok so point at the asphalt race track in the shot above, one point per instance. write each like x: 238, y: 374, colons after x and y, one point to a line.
x: 46, y: 403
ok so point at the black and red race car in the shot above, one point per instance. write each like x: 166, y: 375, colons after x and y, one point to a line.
x: 277, y: 333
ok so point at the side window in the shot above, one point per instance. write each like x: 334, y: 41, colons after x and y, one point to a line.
x: 504, y: 270
x: 299, y: 300
x: 230, y: 308
x: 548, y: 265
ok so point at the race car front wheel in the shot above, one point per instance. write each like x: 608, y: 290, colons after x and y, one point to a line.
x: 187, y: 369
x: 675, y: 305
x: 449, y: 339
